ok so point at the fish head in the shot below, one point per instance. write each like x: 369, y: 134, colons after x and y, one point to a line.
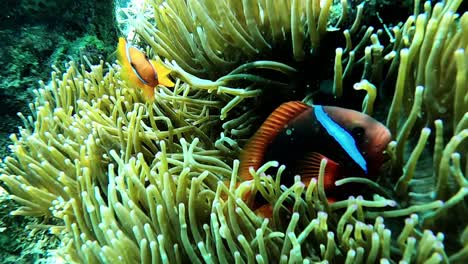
x: 371, y: 137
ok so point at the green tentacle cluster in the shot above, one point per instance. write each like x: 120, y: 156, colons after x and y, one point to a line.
x: 146, y: 182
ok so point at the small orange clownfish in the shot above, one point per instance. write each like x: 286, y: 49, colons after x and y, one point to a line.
x: 300, y: 136
x: 140, y: 71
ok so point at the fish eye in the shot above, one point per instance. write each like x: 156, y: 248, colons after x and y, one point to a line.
x: 358, y: 132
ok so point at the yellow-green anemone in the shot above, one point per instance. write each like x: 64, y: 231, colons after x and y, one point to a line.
x: 138, y: 182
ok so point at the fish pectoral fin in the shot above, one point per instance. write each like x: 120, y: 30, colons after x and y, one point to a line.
x: 148, y: 93
x: 265, y: 211
x: 245, y: 196
x: 309, y: 168
x: 163, y: 73
x: 245, y: 193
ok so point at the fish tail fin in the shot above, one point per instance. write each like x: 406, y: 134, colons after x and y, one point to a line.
x: 163, y: 73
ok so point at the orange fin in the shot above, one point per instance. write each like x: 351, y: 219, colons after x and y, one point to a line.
x: 253, y: 153
x: 310, y: 168
x: 227, y: 183
x: 265, y: 211
x: 122, y: 51
x: 126, y: 71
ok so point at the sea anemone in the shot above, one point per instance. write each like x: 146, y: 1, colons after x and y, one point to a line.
x: 140, y: 182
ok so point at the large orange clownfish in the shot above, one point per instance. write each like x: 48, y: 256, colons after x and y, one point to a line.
x: 140, y: 71
x: 300, y: 136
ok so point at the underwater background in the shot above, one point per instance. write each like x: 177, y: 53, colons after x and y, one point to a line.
x: 94, y: 172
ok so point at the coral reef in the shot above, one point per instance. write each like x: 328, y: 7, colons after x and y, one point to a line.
x: 37, y: 34
x: 145, y: 182
x: 18, y: 243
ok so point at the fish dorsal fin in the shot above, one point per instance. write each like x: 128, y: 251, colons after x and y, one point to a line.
x: 254, y: 151
x: 341, y: 136
x: 309, y: 168
x: 123, y: 58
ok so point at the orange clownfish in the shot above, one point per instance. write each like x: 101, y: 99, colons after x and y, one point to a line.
x: 140, y: 71
x: 300, y: 136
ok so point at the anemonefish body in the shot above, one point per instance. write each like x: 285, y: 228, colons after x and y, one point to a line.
x: 300, y: 136
x: 141, y: 72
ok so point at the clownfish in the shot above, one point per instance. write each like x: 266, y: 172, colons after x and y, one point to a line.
x: 300, y: 136
x: 140, y: 71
